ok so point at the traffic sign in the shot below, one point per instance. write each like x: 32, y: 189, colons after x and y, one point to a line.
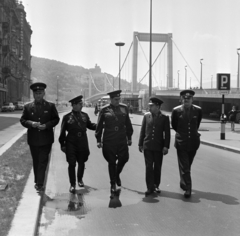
x: 223, y: 82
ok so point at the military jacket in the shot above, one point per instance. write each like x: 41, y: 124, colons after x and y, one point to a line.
x: 47, y: 115
x: 155, y: 132
x: 74, y: 127
x: 114, y: 124
x: 186, y: 127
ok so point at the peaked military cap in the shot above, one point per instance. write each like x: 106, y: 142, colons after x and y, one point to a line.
x: 115, y: 93
x: 187, y: 93
x: 38, y: 86
x: 76, y: 99
x: 154, y: 100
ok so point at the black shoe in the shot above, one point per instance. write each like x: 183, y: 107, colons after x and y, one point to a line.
x: 157, y: 190
x: 35, y: 186
x: 113, y: 188
x: 80, y: 184
x: 118, y: 181
x: 39, y: 188
x: 72, y: 189
x: 148, y: 192
x: 188, y: 193
x: 183, y: 187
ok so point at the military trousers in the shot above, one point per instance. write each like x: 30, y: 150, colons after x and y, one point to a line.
x: 40, y: 157
x: 74, y: 155
x: 185, y: 160
x: 117, y: 156
x: 153, y: 163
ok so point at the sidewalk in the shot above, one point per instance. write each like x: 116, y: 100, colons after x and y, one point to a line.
x: 25, y: 221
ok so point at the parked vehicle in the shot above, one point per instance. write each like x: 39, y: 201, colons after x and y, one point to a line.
x: 19, y: 105
x: 8, y: 106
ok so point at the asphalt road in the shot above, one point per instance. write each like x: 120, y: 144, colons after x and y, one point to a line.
x: 213, y: 209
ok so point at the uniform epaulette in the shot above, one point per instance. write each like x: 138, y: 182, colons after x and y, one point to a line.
x: 177, y: 107
x: 105, y: 106
x: 147, y: 113
x: 164, y: 114
x: 122, y: 104
x: 196, y: 106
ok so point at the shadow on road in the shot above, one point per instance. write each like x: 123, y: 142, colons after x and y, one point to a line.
x: 198, y: 195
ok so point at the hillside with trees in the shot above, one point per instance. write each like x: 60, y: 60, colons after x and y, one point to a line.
x: 67, y: 81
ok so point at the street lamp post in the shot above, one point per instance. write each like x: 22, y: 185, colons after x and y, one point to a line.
x: 238, y: 68
x: 119, y: 44
x: 201, y: 74
x: 178, y: 78
x: 212, y: 82
x: 150, y: 52
x: 185, y: 77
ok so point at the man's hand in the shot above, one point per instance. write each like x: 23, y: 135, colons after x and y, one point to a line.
x: 129, y: 142
x: 99, y: 145
x: 165, y: 151
x: 35, y: 124
x: 42, y: 127
x: 63, y: 148
x: 140, y: 148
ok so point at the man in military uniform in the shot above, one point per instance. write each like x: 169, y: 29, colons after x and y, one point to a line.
x: 154, y: 142
x: 186, y: 120
x: 39, y: 117
x: 116, y: 137
x: 74, y: 142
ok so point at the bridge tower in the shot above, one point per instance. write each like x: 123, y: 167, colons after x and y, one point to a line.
x: 155, y: 38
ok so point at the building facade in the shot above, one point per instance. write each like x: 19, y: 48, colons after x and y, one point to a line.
x: 15, y: 52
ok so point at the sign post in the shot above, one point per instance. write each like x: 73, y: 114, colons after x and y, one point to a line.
x: 223, y: 85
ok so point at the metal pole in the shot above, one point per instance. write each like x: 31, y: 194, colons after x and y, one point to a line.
x: 119, y: 45
x: 150, y: 53
x: 57, y: 90
x: 212, y: 82
x: 222, y: 135
x: 201, y: 74
x: 185, y: 77
x: 238, y: 69
x: 119, y: 68
x: 178, y: 79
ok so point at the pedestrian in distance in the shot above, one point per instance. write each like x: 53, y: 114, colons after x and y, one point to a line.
x: 96, y: 109
x: 74, y: 142
x: 186, y: 120
x: 154, y: 142
x: 39, y: 117
x: 113, y: 134
x: 232, y: 117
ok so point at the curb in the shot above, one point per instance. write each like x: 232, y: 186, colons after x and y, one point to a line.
x: 227, y: 148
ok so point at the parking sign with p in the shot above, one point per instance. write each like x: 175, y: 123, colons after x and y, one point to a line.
x: 223, y: 82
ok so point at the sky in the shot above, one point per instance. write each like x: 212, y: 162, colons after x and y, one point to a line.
x: 84, y: 33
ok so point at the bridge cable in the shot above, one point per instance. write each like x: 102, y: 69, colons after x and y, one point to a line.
x: 154, y: 61
x: 125, y: 59
x: 94, y: 83
x: 147, y: 60
x: 108, y: 80
x: 188, y: 64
